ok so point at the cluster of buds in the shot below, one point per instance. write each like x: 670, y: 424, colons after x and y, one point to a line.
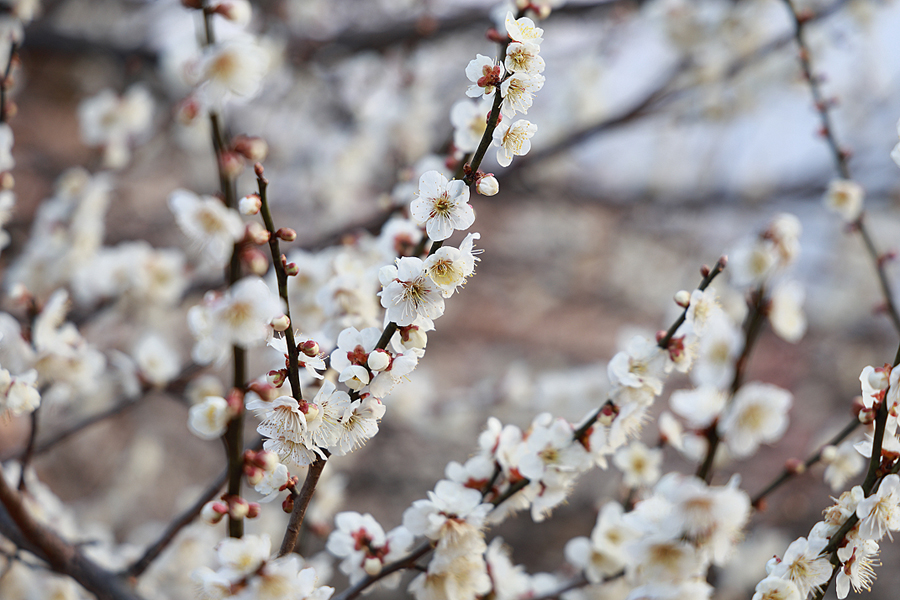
x: 234, y: 507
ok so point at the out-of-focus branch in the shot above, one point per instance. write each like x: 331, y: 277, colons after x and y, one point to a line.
x: 180, y: 522
x: 59, y: 554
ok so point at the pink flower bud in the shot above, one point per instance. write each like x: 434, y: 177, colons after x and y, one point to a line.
x: 252, y: 510
x: 255, y: 261
x: 235, y: 400
x: 309, y: 348
x: 213, y: 512
x: 264, y: 390
x: 683, y: 298
x: 291, y: 269
x: 281, y: 323
x: 257, y: 234
x: 286, y: 234
x: 276, y: 378
x: 250, y: 205
x: 288, y: 504
x: 232, y: 164
x: 253, y: 149
x: 238, y: 508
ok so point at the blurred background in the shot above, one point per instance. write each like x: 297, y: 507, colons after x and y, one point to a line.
x: 668, y: 133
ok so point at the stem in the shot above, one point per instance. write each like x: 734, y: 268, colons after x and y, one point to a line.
x: 787, y: 474
x: 753, y: 328
x: 183, y: 520
x: 29, y: 449
x: 403, y: 563
x: 61, y: 556
x: 301, y: 503
x: 713, y: 273
x: 282, y: 277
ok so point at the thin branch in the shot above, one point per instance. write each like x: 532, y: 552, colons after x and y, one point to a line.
x: 301, y: 503
x: 28, y: 454
x: 59, y: 554
x: 787, y: 474
x: 180, y: 522
x: 753, y: 327
x: 406, y: 562
x: 707, y: 280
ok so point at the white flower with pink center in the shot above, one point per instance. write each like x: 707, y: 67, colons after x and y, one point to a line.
x: 442, y: 205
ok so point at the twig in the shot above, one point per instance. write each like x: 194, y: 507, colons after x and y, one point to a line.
x: 60, y: 555
x: 28, y: 454
x: 301, y: 503
x: 787, y: 474
x: 180, y: 522
x: 752, y: 329
x: 707, y: 279
x: 403, y: 563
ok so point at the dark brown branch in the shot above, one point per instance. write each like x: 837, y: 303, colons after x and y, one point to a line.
x: 788, y: 473
x: 406, y: 562
x: 182, y: 521
x: 61, y: 556
x: 301, y: 503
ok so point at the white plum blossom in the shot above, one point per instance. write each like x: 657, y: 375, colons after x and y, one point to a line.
x: 757, y: 415
x: 776, y: 588
x: 880, y: 513
x: 843, y: 462
x: 804, y: 565
x: 641, y: 365
x: 235, y: 67
x: 517, y: 91
x: 700, y: 406
x: 469, y: 120
x: 209, y: 419
x: 211, y: 227
x: 449, y: 267
x: 523, y: 30
x: 857, y: 559
x: 639, y: 464
x: 448, y: 505
x: 243, y: 556
x: 524, y: 58
x: 786, y: 311
x: 157, y: 361
x: 703, y: 308
x: 845, y: 197
x: 112, y: 122
x: 604, y: 554
x: 409, y: 293
x: 19, y: 394
x: 442, y: 205
x: 513, y: 139
x: 362, y: 543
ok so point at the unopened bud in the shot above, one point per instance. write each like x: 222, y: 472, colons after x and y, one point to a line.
x: 238, y: 508
x: 252, y: 510
x: 413, y: 337
x: 288, y: 504
x: 704, y: 271
x: 683, y: 298
x: 879, y: 379
x: 496, y: 37
x: 250, y: 205
x: 379, y: 360
x: 212, y: 512
x: 235, y: 400
x: 286, y: 234
x: 312, y: 411
x: 794, y: 465
x: 255, y: 261
x: 291, y: 269
x: 829, y: 453
x: 264, y: 390
x: 232, y: 164
x: 372, y: 566
x: 487, y: 185
x: 253, y: 149
x: 254, y: 475
x: 267, y: 460
x: 276, y: 378
x: 257, y: 234
x: 608, y: 414
x: 258, y: 170
x: 188, y: 110
x: 309, y: 348
x: 281, y: 323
